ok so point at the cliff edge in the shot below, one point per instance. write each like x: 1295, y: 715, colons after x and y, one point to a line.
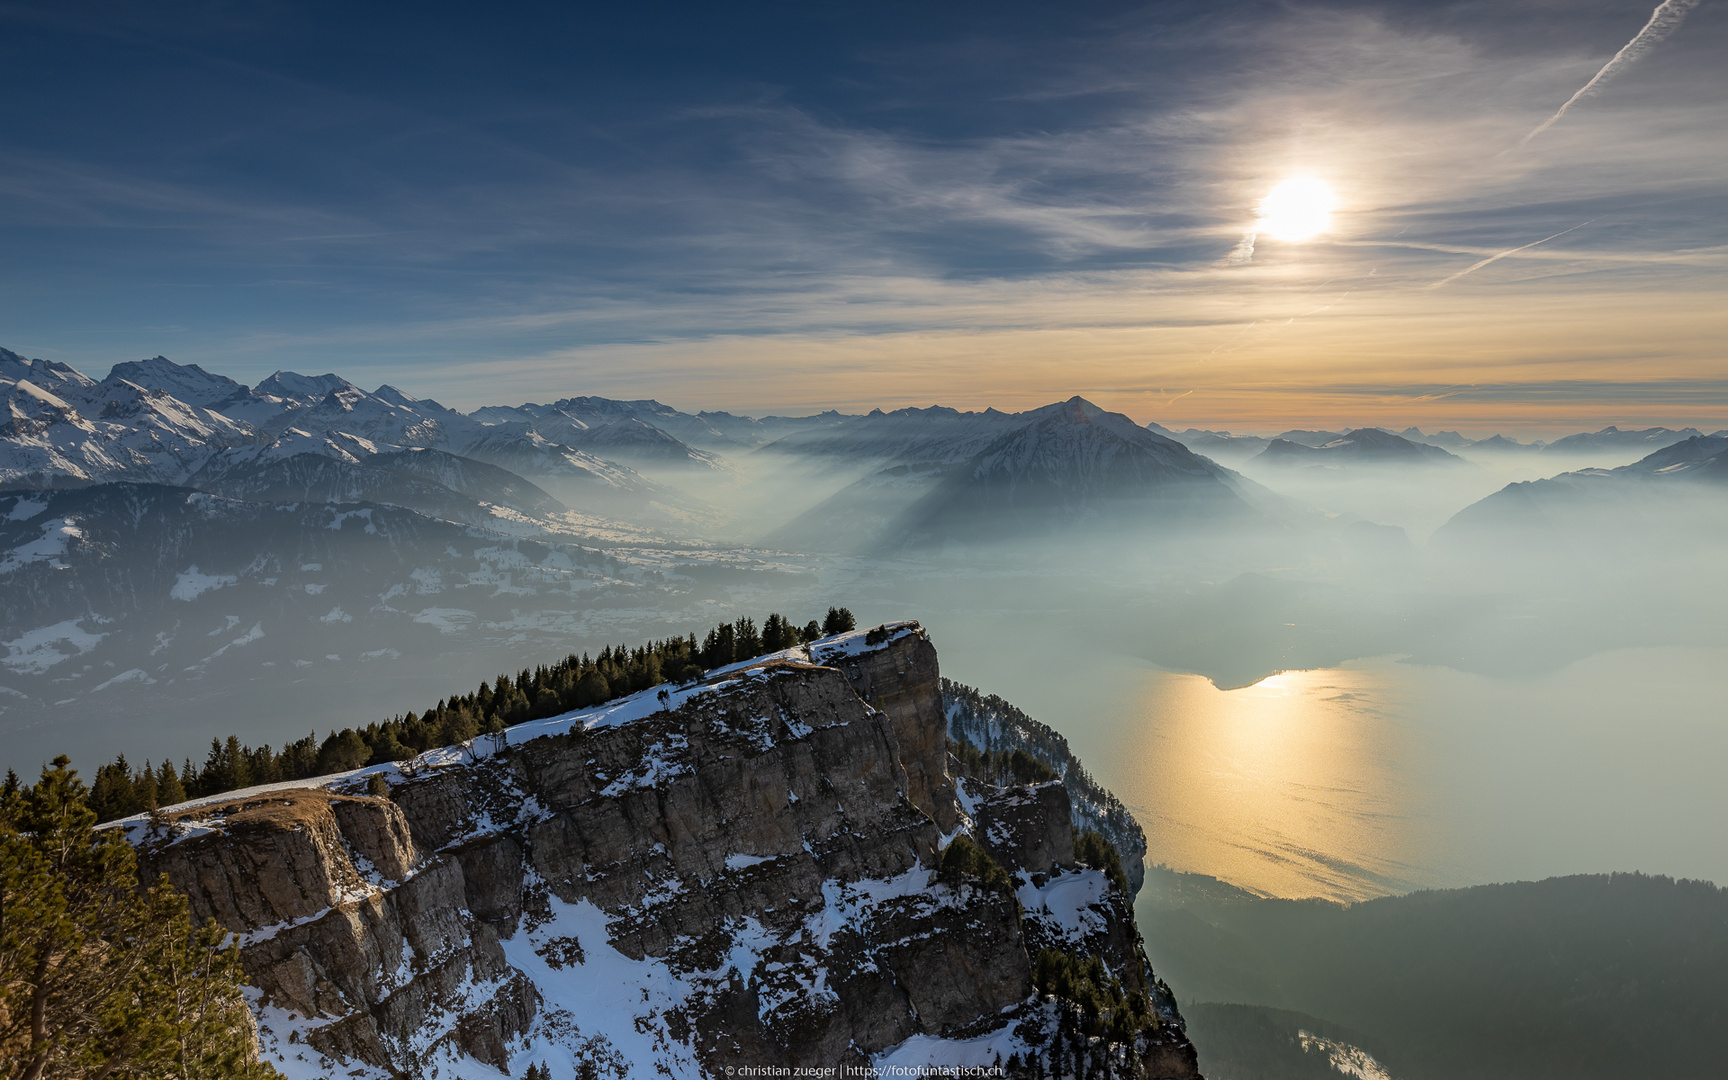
x: 769, y: 867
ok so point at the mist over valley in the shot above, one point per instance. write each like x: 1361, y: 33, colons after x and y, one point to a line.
x: 326, y: 554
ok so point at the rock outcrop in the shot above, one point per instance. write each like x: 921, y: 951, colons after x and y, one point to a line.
x: 744, y: 871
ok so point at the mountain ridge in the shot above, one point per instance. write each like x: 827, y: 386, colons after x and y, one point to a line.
x: 815, y: 914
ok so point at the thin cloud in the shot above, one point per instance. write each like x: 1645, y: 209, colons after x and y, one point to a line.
x: 1472, y: 268
x: 1243, y: 252
x: 1663, y: 21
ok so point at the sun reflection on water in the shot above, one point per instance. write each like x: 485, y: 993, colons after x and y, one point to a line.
x: 1293, y: 786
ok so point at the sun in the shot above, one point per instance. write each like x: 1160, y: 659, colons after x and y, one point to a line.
x: 1299, y: 208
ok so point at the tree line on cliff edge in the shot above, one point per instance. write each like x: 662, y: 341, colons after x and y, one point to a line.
x: 576, y: 682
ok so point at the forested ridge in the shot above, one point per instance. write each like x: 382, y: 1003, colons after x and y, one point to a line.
x: 576, y: 682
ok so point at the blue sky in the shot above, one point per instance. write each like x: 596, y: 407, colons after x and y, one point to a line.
x: 803, y: 205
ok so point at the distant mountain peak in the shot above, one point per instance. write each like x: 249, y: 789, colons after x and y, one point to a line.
x: 1359, y: 445
x: 292, y: 384
x: 45, y: 374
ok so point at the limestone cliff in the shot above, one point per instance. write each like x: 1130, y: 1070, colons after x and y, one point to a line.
x: 744, y: 871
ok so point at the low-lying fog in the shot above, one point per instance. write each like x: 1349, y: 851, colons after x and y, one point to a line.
x: 1533, y: 689
x: 1521, y: 699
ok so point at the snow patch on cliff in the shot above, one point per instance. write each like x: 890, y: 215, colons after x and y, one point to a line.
x: 35, y: 651
x: 49, y: 547
x: 926, y: 1055
x: 1074, y: 905
x: 191, y: 583
x: 603, y: 993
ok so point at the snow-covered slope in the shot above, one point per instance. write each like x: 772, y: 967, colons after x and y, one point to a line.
x: 1599, y: 526
x: 303, y: 389
x: 430, y: 482
x: 715, y: 431
x: 527, y: 453
x: 635, y: 440
x: 45, y: 442
x: 292, y: 442
x: 105, y: 431
x: 388, y: 417
x: 614, y: 433
x: 190, y: 595
x: 1689, y: 471
x: 1697, y: 458
x: 188, y: 382
x: 57, y: 379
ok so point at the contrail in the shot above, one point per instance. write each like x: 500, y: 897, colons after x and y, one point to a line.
x: 1472, y: 268
x: 1663, y: 21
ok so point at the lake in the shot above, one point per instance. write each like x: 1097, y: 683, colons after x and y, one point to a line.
x: 1377, y: 776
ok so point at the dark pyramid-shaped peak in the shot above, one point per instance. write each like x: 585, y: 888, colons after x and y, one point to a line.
x: 1068, y: 465
x: 292, y: 384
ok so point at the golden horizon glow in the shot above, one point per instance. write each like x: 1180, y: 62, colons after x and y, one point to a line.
x: 1299, y: 208
x: 1187, y: 358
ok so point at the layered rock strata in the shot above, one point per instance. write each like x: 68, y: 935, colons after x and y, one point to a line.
x: 739, y: 872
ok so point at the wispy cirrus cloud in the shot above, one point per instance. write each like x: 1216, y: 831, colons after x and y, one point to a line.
x: 1076, y: 192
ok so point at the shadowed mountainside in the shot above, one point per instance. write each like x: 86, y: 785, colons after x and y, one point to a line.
x: 1595, y: 977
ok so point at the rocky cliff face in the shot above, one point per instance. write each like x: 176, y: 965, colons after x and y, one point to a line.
x: 742, y: 872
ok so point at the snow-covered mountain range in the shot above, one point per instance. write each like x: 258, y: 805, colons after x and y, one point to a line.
x: 62, y: 428
x: 155, y: 421
x: 252, y: 480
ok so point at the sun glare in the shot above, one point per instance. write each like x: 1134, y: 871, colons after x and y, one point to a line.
x: 1299, y: 208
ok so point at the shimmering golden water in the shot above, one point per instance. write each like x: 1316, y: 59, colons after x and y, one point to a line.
x: 1295, y: 786
x: 1378, y: 776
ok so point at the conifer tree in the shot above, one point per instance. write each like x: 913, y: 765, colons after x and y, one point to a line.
x: 98, y: 979
x: 239, y: 770
x: 343, y: 751
x: 592, y: 688
x: 168, y: 787
x: 747, y: 642
x: 838, y: 621
x: 146, y: 788
x: 113, y: 794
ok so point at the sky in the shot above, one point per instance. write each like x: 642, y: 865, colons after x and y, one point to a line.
x: 792, y: 207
